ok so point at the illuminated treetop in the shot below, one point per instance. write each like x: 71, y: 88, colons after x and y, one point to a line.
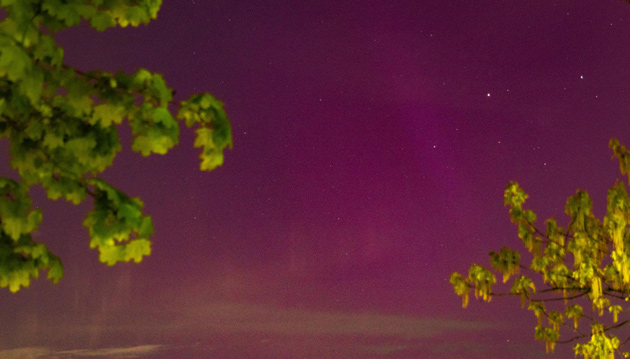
x: 586, y: 263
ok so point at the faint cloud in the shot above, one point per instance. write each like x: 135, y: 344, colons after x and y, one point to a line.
x: 369, y: 333
x: 109, y: 353
x: 113, y: 353
x: 25, y: 353
x: 231, y: 317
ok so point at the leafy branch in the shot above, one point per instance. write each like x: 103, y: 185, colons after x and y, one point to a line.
x: 62, y: 126
x: 599, y: 272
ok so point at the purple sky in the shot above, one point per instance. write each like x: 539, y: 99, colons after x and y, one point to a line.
x: 372, y: 144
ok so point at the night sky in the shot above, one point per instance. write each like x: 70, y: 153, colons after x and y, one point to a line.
x: 373, y: 141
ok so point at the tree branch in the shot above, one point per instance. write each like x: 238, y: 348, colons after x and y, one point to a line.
x: 558, y: 298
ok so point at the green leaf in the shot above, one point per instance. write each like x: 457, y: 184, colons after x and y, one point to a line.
x: 32, y: 85
x: 114, y: 223
x: 141, y: 78
x: 623, y: 155
x: 82, y: 147
x: 52, y: 140
x: 64, y: 187
x: 524, y: 287
x: 102, y: 20
x: 482, y: 280
x: 615, y: 310
x: 106, y: 114
x: 574, y: 312
x: 514, y: 196
x: 133, y: 16
x: 539, y: 309
x: 14, y: 61
x: 506, y: 262
x: 461, y: 287
x: 156, y: 134
x: 160, y: 91
x: 16, y: 216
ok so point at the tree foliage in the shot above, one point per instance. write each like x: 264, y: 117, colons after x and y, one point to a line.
x: 585, y: 264
x: 62, y: 126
